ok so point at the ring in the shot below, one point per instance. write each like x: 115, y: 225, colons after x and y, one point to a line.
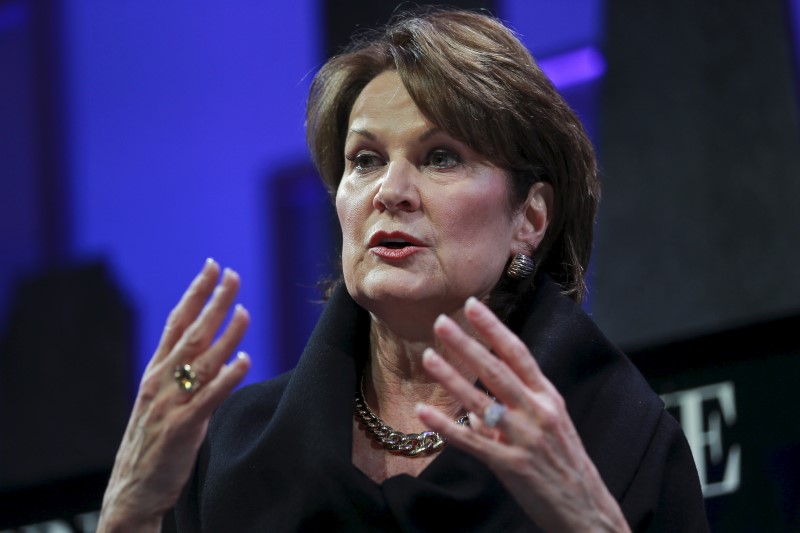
x: 186, y: 378
x: 493, y: 414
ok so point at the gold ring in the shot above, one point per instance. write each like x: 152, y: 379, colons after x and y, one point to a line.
x: 186, y: 378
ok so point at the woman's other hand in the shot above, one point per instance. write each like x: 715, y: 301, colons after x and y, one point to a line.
x: 534, y: 448
x: 168, y: 423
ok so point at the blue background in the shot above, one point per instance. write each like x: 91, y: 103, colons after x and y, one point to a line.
x: 176, y: 116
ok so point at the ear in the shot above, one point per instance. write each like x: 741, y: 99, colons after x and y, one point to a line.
x: 533, y: 219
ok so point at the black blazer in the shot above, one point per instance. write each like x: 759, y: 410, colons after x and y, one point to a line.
x: 278, y: 453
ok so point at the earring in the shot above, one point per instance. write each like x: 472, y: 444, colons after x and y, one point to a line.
x: 520, y: 267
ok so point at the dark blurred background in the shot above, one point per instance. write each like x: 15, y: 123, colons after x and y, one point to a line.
x: 139, y: 138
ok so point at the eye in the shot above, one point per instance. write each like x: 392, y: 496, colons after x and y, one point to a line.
x: 365, y: 161
x: 443, y: 158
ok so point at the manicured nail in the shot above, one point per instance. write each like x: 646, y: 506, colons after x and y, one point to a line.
x: 429, y: 355
x: 440, y: 320
x: 421, y: 408
x: 207, y: 266
x: 473, y: 305
x: 241, y: 355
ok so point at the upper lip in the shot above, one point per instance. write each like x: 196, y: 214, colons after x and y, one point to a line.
x: 381, y: 237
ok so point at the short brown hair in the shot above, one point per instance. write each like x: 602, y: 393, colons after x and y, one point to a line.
x: 471, y: 77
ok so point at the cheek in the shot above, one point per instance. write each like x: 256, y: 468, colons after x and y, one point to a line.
x: 351, y: 221
x: 341, y: 210
x: 482, y: 219
x: 483, y: 234
x: 345, y: 211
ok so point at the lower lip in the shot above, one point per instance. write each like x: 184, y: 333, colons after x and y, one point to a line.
x: 395, y: 253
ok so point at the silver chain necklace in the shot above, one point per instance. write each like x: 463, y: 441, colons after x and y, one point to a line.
x: 408, y: 444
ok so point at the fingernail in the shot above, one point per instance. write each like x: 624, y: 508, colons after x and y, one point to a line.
x: 241, y: 356
x: 208, y: 265
x: 421, y: 408
x: 440, y: 320
x: 238, y: 308
x: 474, y: 305
x: 473, y: 419
x: 429, y: 355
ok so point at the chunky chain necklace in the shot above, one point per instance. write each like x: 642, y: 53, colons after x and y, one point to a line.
x: 408, y: 444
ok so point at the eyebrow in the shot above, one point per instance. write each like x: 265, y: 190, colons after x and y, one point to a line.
x: 371, y: 136
x: 363, y: 133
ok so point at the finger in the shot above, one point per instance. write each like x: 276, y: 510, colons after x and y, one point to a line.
x: 207, y: 365
x: 494, y: 373
x: 183, y: 314
x: 466, y: 393
x: 208, y: 398
x: 505, y: 344
x: 477, y: 424
x: 198, y: 336
x: 478, y: 445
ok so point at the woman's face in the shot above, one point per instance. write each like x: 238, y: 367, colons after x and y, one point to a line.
x: 424, y: 218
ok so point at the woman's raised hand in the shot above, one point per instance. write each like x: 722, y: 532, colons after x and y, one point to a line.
x: 169, y: 422
x: 532, y: 445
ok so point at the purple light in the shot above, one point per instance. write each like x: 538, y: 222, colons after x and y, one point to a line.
x: 794, y: 14
x: 12, y: 15
x: 573, y: 68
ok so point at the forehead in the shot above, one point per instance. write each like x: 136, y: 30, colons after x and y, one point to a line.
x: 385, y: 100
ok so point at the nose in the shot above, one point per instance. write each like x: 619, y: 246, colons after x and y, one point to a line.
x: 397, y: 190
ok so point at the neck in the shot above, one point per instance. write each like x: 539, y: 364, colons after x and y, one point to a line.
x: 395, y: 380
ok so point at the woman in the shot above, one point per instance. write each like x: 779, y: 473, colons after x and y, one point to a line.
x: 459, y: 175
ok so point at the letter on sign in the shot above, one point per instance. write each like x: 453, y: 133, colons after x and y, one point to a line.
x: 704, y: 430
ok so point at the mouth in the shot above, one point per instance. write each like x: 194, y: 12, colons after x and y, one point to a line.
x: 394, y: 244
x: 394, y: 240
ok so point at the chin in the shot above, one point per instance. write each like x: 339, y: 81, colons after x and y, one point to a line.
x: 395, y: 295
x: 393, y: 284
x: 415, y: 304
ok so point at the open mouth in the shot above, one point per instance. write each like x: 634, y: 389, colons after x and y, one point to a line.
x: 394, y: 240
x: 394, y: 244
